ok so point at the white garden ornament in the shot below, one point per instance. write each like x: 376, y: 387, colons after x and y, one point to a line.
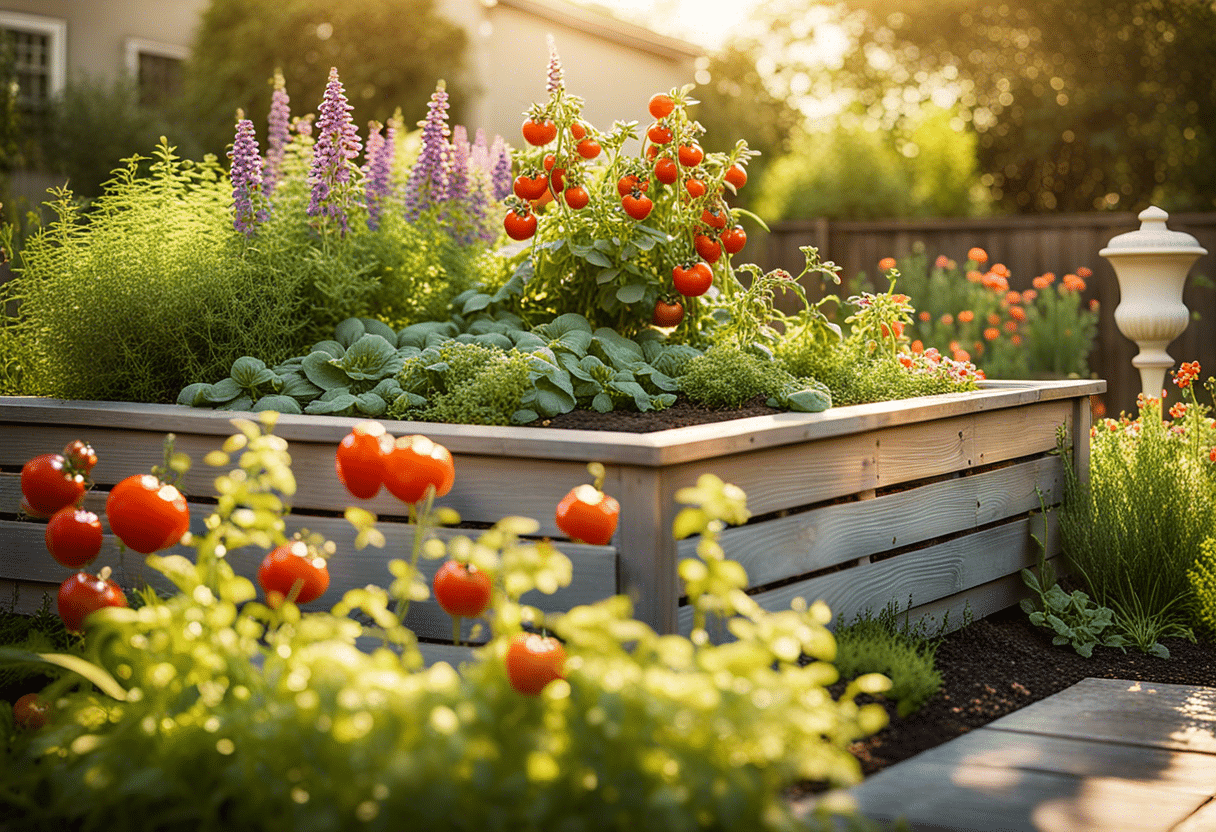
x: 1151, y: 265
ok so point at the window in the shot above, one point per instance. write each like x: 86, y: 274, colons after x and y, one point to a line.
x: 37, y: 49
x: 156, y: 68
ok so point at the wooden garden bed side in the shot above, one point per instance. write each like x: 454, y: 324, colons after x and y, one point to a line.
x: 786, y: 462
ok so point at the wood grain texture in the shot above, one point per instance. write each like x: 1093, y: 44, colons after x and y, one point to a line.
x: 793, y: 545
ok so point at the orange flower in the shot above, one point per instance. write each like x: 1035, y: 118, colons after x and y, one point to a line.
x: 1015, y: 339
x: 947, y: 319
x: 1001, y: 269
x: 886, y: 264
x: 965, y: 317
x: 974, y: 276
x: 961, y: 355
x: 994, y: 281
x: 900, y: 298
x: 1085, y: 271
x: 1177, y: 410
x: 1017, y: 313
x: 1186, y: 375
x: 1011, y: 326
x: 924, y: 316
x: 1072, y: 283
x: 992, y: 333
x: 1029, y: 295
x: 1212, y: 455
x: 1043, y: 281
x: 994, y: 319
x: 1097, y: 407
x: 943, y: 262
x: 1093, y: 305
x: 977, y: 255
x: 918, y: 346
x: 1013, y: 297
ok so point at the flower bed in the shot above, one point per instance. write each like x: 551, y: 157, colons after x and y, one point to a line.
x: 930, y: 502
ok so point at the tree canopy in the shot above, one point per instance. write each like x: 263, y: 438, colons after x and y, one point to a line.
x: 389, y: 54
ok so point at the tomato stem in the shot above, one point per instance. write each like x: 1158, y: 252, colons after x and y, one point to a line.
x: 422, y: 522
x: 456, y: 619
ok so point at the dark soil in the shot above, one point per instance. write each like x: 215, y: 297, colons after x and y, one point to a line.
x: 999, y: 664
x: 682, y: 414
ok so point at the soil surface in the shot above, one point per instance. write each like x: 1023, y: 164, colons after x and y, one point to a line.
x: 999, y: 664
x: 682, y: 414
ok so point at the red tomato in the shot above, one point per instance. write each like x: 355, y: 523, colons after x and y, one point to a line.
x: 520, y: 225
x: 577, y: 130
x: 690, y: 155
x: 577, y: 198
x: 658, y: 134
x: 588, y: 515
x: 898, y: 326
x: 714, y: 217
x: 147, y: 514
x: 82, y: 594
x: 80, y: 456
x: 31, y: 712
x: 73, y: 536
x: 695, y: 187
x: 734, y: 239
x: 637, y: 205
x: 530, y: 187
x: 290, y: 566
x: 462, y: 591
x: 534, y: 661
x: 557, y: 180
x: 539, y: 133
x: 660, y: 105
x: 666, y: 171
x: 359, y: 461
x: 47, y: 485
x: 694, y: 280
x: 708, y: 248
x: 416, y: 463
x: 588, y: 148
x: 736, y: 176
x: 667, y: 313
x: 629, y: 183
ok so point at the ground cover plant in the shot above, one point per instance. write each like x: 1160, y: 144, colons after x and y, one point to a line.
x: 585, y: 719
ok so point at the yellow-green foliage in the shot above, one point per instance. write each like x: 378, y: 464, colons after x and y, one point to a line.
x: 727, y: 376
x: 468, y: 384
x: 901, y: 653
x: 1202, y: 576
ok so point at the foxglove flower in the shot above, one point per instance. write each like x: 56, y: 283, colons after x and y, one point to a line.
x: 277, y: 134
x: 336, y: 148
x: 247, y: 209
x: 428, y: 182
x: 378, y: 170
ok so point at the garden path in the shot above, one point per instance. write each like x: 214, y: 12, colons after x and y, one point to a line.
x: 1102, y: 755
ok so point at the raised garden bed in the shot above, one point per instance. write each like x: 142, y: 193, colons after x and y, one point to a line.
x: 930, y: 502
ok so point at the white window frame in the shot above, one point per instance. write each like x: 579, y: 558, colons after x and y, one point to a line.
x: 134, y: 47
x: 56, y: 31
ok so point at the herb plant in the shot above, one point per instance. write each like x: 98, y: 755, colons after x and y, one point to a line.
x: 902, y: 653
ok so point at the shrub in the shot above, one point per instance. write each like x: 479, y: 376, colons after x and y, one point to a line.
x: 1202, y: 576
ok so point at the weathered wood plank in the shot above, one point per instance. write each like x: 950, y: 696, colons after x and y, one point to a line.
x: 968, y: 798
x: 1190, y: 772
x: 1180, y: 717
x: 793, y: 545
x: 913, y: 578
x: 953, y: 611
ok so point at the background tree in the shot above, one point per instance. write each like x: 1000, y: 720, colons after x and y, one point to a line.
x: 389, y: 54
x: 1090, y: 104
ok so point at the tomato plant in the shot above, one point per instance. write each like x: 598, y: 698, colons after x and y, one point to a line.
x: 80, y: 456
x: 577, y: 197
x: 147, y: 515
x: 709, y: 248
x: 629, y: 183
x: 539, y: 133
x: 48, y: 484
x: 660, y: 105
x: 637, y: 205
x: 578, y: 131
x: 82, y: 594
x: 667, y: 313
x: 73, y: 536
x: 294, y: 567
x: 533, y: 661
x: 415, y: 464
x: 694, y: 280
x: 588, y: 515
x: 695, y: 187
x: 530, y: 187
x: 359, y: 460
x: 463, y: 591
x: 31, y: 711
x: 736, y: 176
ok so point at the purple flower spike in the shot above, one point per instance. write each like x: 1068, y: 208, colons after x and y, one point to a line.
x: 500, y: 156
x: 378, y: 170
x: 554, y: 82
x: 247, y: 210
x: 428, y: 182
x: 336, y: 148
x: 277, y: 134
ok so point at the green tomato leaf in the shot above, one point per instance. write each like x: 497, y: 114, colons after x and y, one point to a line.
x: 607, y: 275
x: 598, y: 258
x: 632, y: 293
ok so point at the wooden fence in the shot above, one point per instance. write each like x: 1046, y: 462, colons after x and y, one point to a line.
x: 1029, y: 246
